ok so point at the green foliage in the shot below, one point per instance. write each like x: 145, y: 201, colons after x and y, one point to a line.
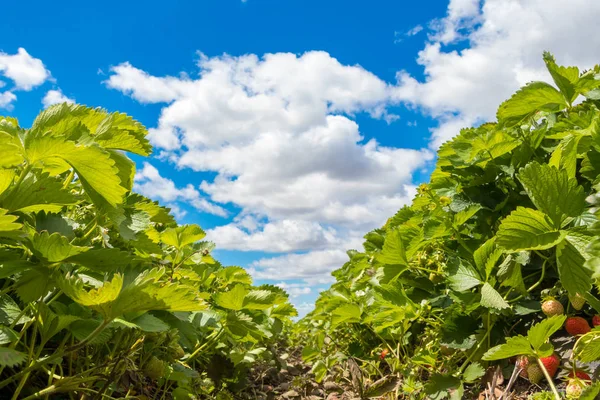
x: 100, y: 286
x: 453, y: 283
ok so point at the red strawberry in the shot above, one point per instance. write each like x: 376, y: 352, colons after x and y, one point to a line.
x: 523, y: 363
x: 552, y: 307
x: 551, y: 364
x: 577, y: 326
x: 580, y: 374
x: 535, y: 374
x: 577, y: 301
x: 384, y: 353
x: 596, y: 320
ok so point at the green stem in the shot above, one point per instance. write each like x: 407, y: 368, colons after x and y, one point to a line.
x: 483, y: 340
x: 69, y: 179
x: 549, y: 379
x: 56, y: 355
x: 24, y: 173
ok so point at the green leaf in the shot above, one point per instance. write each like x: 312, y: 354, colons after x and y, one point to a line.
x: 10, y: 311
x: 93, y: 166
x: 528, y: 229
x: 232, y: 299
x: 463, y: 216
x: 347, y: 313
x: 319, y: 369
x: 565, y: 155
x: 463, y: 277
x: 473, y: 372
x: 11, y: 357
x: 393, y: 250
x: 439, y: 386
x: 7, y: 335
x: 588, y: 347
x: 514, y: 346
x: 11, y: 151
x: 539, y: 333
x: 99, y: 299
x: 7, y: 222
x: 54, y: 247
x: 552, y: 191
x: 565, y: 78
x: 534, y: 97
x: 590, y: 392
x: 231, y: 275
x: 486, y: 257
x: 38, y: 193
x: 259, y: 300
x: 149, y: 323
x: 103, y: 259
x: 575, y: 274
x: 6, y: 179
x: 120, y: 131
x: 490, y: 298
x: 182, y: 235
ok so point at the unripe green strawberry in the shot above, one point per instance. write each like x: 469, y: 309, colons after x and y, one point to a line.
x: 552, y: 307
x: 577, y: 326
x: 177, y: 352
x: 574, y: 388
x: 535, y: 374
x: 577, y: 301
x: 154, y: 369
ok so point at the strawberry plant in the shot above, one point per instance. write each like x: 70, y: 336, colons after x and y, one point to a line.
x: 102, y: 293
x: 487, y: 263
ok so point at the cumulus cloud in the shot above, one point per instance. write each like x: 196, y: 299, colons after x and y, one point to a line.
x: 279, y: 133
x: 55, y: 97
x: 294, y: 289
x: 505, y: 40
x: 150, y: 183
x: 6, y: 100
x: 24, y: 70
x: 313, y: 268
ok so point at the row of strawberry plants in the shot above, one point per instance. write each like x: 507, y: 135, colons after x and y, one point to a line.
x: 455, y: 283
x: 102, y: 293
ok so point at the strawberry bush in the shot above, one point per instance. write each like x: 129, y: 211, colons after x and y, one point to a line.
x: 102, y: 293
x: 496, y: 264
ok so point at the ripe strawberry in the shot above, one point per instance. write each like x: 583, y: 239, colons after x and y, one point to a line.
x: 574, y: 388
x: 523, y: 363
x: 577, y: 326
x: 596, y: 320
x: 154, y: 369
x: 552, y: 307
x: 551, y: 364
x: 535, y: 374
x: 580, y: 374
x: 384, y: 353
x: 577, y: 301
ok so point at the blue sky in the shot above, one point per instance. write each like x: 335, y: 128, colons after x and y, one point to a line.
x: 286, y: 129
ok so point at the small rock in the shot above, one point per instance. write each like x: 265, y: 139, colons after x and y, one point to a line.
x: 290, y: 393
x: 285, y: 386
x: 333, y: 396
x: 332, y: 387
x: 293, y: 370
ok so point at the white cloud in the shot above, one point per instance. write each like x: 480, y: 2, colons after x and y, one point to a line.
x: 294, y: 289
x: 6, y: 100
x: 506, y: 39
x: 25, y: 71
x: 313, y: 268
x: 278, y: 236
x: 149, y: 183
x: 55, y: 97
